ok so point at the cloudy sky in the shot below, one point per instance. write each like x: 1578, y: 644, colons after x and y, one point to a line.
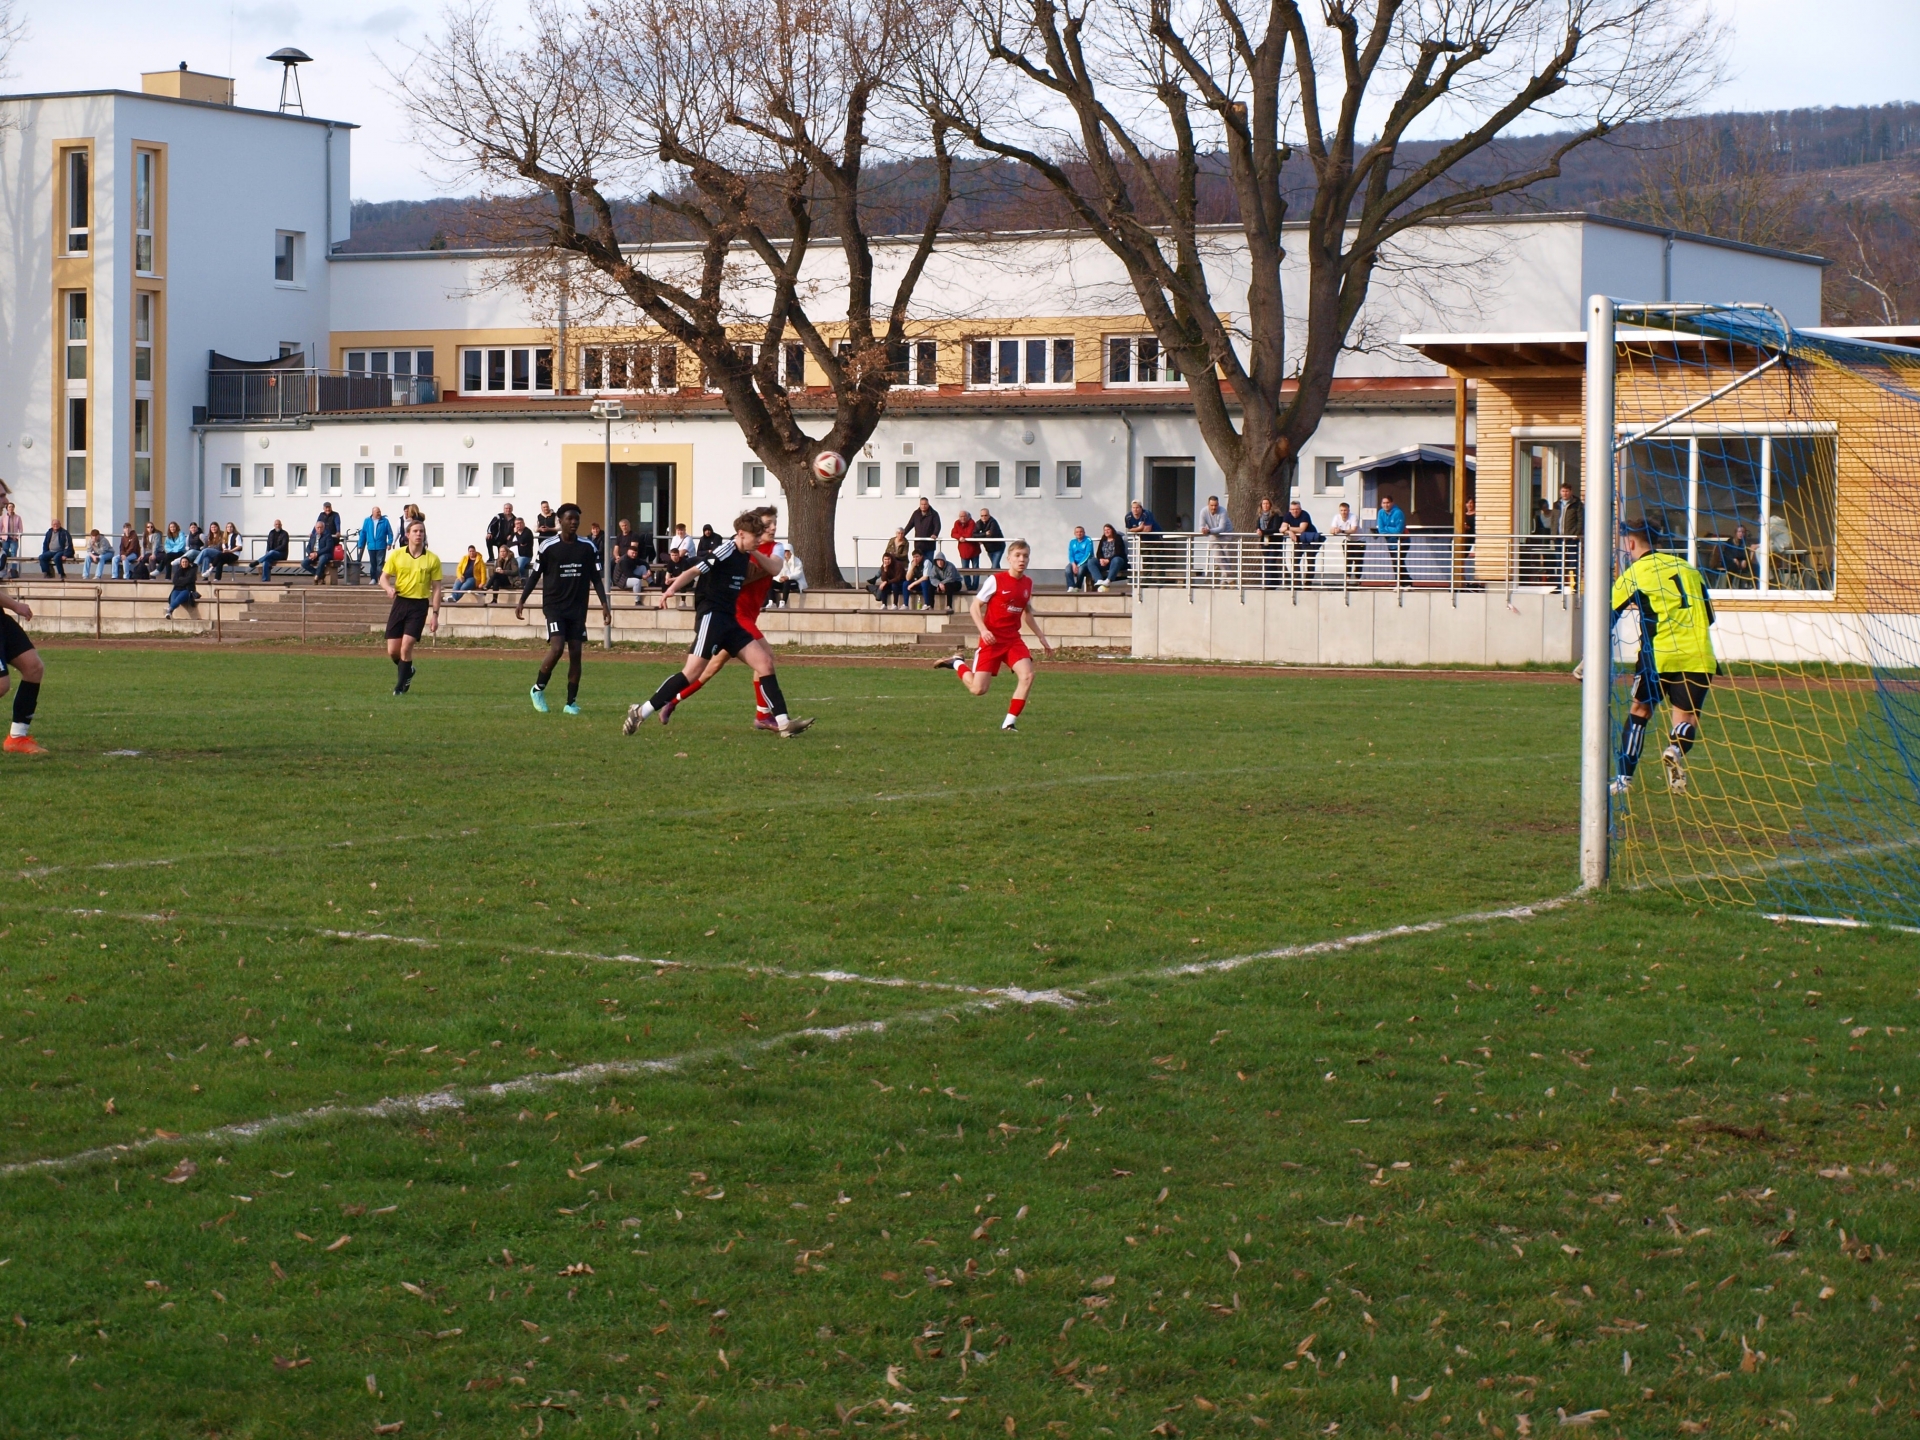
x: 1787, y: 53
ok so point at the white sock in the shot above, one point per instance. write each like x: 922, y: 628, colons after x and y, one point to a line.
x: 646, y: 709
x: 782, y: 721
x: 19, y: 729
x: 1008, y: 723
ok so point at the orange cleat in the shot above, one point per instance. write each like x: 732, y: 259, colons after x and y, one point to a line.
x: 23, y: 745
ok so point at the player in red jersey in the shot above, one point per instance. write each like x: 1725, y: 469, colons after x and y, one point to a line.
x: 752, y: 600
x: 998, y: 607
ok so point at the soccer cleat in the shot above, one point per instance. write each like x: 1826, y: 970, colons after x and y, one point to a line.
x: 23, y: 745
x: 1009, y: 723
x: 636, y: 717
x: 1620, y: 785
x: 666, y: 710
x: 795, y: 726
x: 764, y: 722
x: 951, y: 662
x: 539, y: 698
x: 570, y: 709
x: 1676, y: 770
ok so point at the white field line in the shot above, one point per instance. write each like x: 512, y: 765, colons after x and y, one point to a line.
x: 1844, y: 922
x: 945, y: 792
x: 453, y: 1097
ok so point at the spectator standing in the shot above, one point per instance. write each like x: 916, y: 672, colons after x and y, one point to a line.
x: 596, y: 537
x: 184, y: 576
x: 1079, y: 560
x: 923, y: 524
x: 1346, y: 528
x: 545, y: 526
x: 13, y: 530
x: 469, y: 574
x: 962, y: 533
x: 1297, y: 526
x: 1140, y: 523
x: 376, y: 539
x: 1569, y: 517
x: 56, y: 548
x: 1109, y: 561
x: 1213, y: 523
x: 99, y: 557
x: 987, y: 530
x: 127, y: 554
x: 278, y: 544
x: 1269, y: 526
x: 1391, y: 522
x: 500, y: 531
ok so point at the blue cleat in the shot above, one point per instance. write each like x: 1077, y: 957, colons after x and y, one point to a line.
x: 569, y: 709
x: 539, y: 699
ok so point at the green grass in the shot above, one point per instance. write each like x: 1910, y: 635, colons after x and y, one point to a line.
x: 1426, y: 1184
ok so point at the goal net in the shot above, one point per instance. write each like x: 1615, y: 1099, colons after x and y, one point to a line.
x: 1784, y: 465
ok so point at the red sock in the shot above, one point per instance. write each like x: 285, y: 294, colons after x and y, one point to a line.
x: 1016, y: 705
x: 691, y: 687
x: 760, y: 706
x: 962, y: 669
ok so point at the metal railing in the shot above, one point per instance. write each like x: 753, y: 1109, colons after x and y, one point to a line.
x: 290, y: 394
x: 1416, y: 560
x: 868, y: 550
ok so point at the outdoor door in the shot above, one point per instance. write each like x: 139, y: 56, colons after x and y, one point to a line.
x: 1170, y: 493
x: 644, y: 495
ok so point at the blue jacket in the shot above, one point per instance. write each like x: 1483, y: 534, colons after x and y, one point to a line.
x: 1080, y: 551
x: 1145, y: 517
x: 1390, y: 522
x: 376, y: 534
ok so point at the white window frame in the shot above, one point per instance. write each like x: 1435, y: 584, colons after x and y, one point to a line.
x: 753, y: 480
x: 469, y: 479
x: 748, y: 348
x: 869, y: 479
x: 290, y: 246
x: 397, y: 477
x: 946, y: 477
x: 906, y: 477
x: 330, y: 480
x: 999, y: 377
x: 142, y: 440
x: 1026, y: 479
x: 229, y: 479
x: 364, y: 481
x: 433, y: 479
x: 503, y: 362
x: 263, y: 479
x: 1069, y: 479
x: 78, y: 166
x: 146, y: 172
x: 986, y: 479
x: 296, y: 479
x: 503, y: 477
x: 596, y: 366
x: 1327, y: 479
x: 921, y: 367
x: 1127, y: 352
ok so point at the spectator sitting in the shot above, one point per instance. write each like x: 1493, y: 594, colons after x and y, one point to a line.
x: 151, y: 561
x: 172, y: 543
x: 220, y: 551
x: 940, y: 576
x: 185, y: 578
x: 278, y: 544
x: 56, y: 548
x: 1109, y: 561
x: 1736, y: 559
x: 319, y: 552
x: 98, y: 558
x: 596, y: 537
x: 470, y: 574
x: 127, y: 553
x: 196, y: 541
x: 987, y: 529
x: 505, y: 574
x: 791, y: 580
x: 709, y: 542
x: 679, y: 551
x: 891, y: 583
x: 1079, y: 560
x: 962, y: 532
x: 522, y: 542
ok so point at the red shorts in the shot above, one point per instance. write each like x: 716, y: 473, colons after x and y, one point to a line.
x: 987, y: 659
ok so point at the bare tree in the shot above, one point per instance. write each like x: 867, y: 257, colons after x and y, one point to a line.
x: 755, y: 129
x: 1713, y: 180
x: 13, y: 30
x: 1149, y: 98
x: 1878, y: 244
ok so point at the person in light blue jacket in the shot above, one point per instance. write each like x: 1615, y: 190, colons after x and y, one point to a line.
x: 1391, y: 521
x: 1079, y: 558
x: 376, y: 538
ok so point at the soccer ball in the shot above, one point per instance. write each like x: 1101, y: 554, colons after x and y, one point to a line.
x: 829, y: 465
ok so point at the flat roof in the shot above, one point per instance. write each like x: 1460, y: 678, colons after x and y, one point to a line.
x: 1560, y: 349
x: 176, y: 100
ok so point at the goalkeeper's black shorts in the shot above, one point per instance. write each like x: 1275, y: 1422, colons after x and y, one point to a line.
x: 1682, y: 689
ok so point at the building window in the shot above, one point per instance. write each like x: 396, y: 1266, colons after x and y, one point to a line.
x: 396, y: 480
x: 288, y: 246
x: 947, y: 477
x: 145, y: 164
x: 869, y: 479
x: 986, y: 479
x: 143, y: 337
x: 229, y: 479
x: 1029, y: 480
x: 1327, y: 479
x: 503, y: 479
x: 433, y: 479
x: 76, y: 444
x: 629, y: 368
x: 1069, y: 479
x: 906, y: 478
x: 263, y: 479
x: 363, y: 480
x: 753, y: 481
x: 79, y: 201
x: 76, y: 308
x: 1139, y: 360
x: 527, y: 369
x: 402, y: 364
x: 794, y: 367
x: 1002, y: 364
x: 750, y: 354
x: 330, y: 479
x: 143, y: 448
x: 296, y: 479
x: 469, y: 479
x: 1752, y: 512
x: 913, y: 363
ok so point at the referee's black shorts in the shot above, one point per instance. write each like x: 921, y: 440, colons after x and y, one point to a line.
x: 571, y: 628
x: 1683, y: 689
x: 14, y: 642
x: 718, y: 631
x: 408, y: 618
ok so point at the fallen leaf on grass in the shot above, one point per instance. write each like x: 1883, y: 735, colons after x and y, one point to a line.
x: 1694, y: 1427
x: 532, y: 1327
x: 1422, y: 1397
x: 1201, y: 1403
x: 180, y: 1173
x: 1104, y: 1282
x: 343, y: 1241
x: 412, y: 1289
x: 579, y: 1267
x: 635, y: 1143
x: 485, y: 1382
x: 893, y: 1378
x: 393, y: 1428
x: 1585, y: 1417
x: 281, y: 1363
x: 1234, y: 1260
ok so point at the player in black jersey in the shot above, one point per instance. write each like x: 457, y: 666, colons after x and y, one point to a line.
x: 717, y: 581
x: 569, y: 572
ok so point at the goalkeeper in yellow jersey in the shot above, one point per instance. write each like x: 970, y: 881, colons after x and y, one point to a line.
x: 1676, y: 652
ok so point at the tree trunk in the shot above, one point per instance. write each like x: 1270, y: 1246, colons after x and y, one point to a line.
x: 810, y: 505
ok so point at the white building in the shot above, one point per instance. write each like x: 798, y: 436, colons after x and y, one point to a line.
x: 164, y: 240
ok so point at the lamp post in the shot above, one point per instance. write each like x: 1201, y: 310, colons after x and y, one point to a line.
x: 609, y: 411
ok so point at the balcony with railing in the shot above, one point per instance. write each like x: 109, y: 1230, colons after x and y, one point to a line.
x: 238, y: 392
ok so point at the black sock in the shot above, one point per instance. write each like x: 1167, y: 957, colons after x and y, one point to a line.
x: 1632, y: 736
x: 540, y: 680
x: 406, y: 672
x: 25, y: 700
x: 776, y: 702
x: 1684, y: 734
x: 573, y: 688
x: 669, y: 688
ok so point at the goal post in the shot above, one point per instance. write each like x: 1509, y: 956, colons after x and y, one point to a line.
x: 1596, y: 616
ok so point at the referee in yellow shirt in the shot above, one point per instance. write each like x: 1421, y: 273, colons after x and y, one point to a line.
x: 412, y: 578
x: 1676, y: 652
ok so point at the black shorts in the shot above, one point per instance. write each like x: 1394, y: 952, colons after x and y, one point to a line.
x: 14, y: 642
x: 571, y: 628
x: 717, y: 631
x: 1682, y: 689
x: 408, y: 617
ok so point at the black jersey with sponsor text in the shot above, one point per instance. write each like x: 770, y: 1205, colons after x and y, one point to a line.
x: 568, y: 572
x: 722, y: 576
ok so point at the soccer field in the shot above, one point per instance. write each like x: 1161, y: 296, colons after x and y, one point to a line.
x: 1222, y: 1053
